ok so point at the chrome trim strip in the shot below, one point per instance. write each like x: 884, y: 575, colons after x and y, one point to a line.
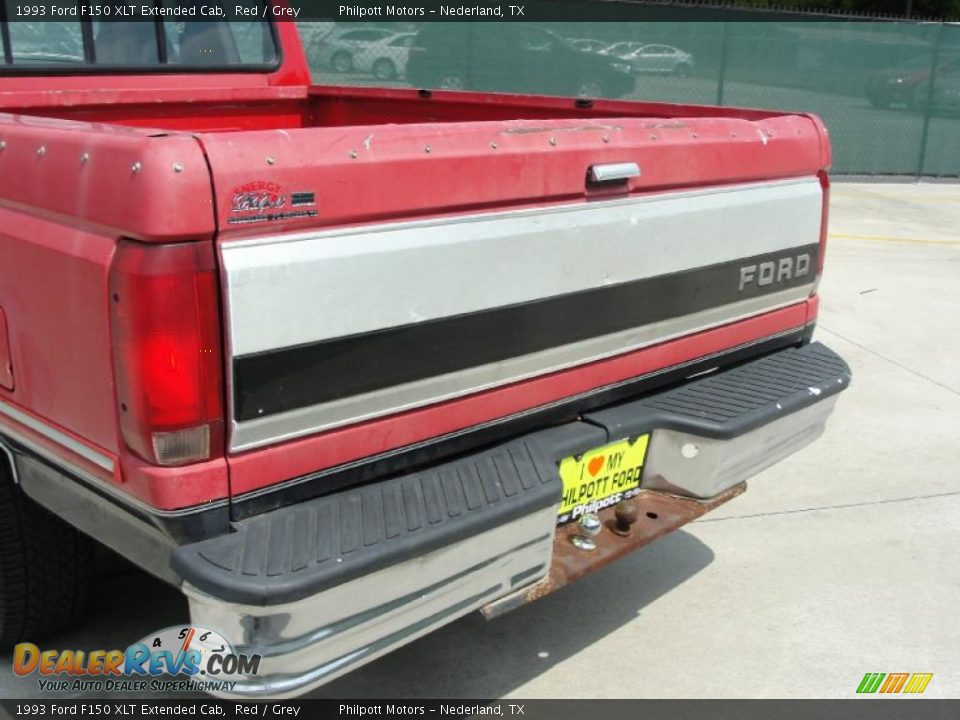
x: 281, y: 427
x: 100, y: 485
x: 13, y: 463
x: 58, y: 437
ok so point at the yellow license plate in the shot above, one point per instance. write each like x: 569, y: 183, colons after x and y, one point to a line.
x: 602, y: 477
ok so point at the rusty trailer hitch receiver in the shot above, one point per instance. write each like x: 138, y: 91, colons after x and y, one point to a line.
x: 626, y: 527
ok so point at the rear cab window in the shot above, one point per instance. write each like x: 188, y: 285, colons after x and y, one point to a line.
x: 160, y: 45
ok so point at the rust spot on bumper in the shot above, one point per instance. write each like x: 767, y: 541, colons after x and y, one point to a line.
x: 659, y: 513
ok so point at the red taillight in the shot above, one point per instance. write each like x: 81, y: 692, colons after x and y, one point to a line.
x: 165, y: 321
x: 824, y: 219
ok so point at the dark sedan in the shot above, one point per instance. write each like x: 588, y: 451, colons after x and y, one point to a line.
x: 909, y: 84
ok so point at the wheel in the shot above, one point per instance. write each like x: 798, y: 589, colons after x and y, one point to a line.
x: 45, y: 568
x: 682, y: 70
x: 920, y: 99
x: 451, y: 82
x: 342, y: 62
x: 590, y: 88
x: 314, y: 55
x: 384, y: 69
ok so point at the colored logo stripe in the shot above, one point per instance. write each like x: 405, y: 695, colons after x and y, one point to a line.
x: 894, y: 682
x: 914, y: 683
x: 918, y: 683
x: 870, y: 682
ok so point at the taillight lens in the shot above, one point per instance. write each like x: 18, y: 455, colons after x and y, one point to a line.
x: 824, y: 219
x: 165, y: 322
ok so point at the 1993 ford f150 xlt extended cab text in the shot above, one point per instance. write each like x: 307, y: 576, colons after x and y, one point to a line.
x: 345, y: 364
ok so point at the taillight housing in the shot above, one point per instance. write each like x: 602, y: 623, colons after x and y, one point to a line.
x: 165, y: 326
x: 824, y: 219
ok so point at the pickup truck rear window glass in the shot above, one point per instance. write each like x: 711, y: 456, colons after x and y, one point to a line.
x: 161, y: 45
x: 126, y: 43
x: 219, y: 43
x: 46, y: 43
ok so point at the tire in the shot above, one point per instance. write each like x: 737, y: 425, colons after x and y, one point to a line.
x: 919, y: 99
x: 342, y: 62
x: 314, y: 56
x: 451, y: 82
x: 590, y: 88
x: 682, y: 70
x: 384, y: 69
x: 45, y: 568
x: 881, y: 102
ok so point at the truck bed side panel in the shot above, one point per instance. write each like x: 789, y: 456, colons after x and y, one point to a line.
x: 74, y: 190
x: 55, y: 298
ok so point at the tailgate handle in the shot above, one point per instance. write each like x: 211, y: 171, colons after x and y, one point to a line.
x: 613, y: 172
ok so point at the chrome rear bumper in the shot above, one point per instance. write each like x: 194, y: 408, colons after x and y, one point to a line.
x: 322, y: 587
x: 306, y: 643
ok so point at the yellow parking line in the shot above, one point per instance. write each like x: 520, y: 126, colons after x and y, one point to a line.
x: 920, y: 200
x: 884, y: 238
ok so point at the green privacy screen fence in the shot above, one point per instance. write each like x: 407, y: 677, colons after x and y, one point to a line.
x: 888, y: 91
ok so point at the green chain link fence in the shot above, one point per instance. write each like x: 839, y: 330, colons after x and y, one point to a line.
x: 888, y: 91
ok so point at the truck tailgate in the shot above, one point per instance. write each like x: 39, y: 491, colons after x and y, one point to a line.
x: 371, y: 271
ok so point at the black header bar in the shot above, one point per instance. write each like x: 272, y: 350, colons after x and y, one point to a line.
x: 894, y: 708
x: 407, y: 11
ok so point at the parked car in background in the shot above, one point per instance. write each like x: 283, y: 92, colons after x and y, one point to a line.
x: 387, y: 58
x: 511, y: 57
x: 909, y: 84
x: 660, y: 60
x: 588, y: 44
x: 337, y: 49
x: 946, y: 94
x: 621, y: 49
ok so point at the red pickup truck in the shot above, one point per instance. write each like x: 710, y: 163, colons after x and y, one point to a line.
x: 345, y: 364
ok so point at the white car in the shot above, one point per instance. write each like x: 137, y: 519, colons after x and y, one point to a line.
x: 621, y: 49
x: 337, y: 49
x: 659, y: 59
x: 588, y: 44
x: 386, y: 58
